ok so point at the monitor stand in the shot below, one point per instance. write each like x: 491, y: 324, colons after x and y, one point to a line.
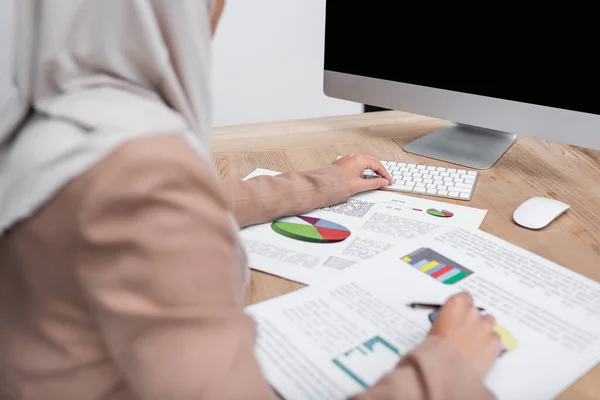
x: 466, y: 145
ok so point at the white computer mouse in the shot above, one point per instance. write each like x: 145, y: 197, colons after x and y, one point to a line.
x: 538, y: 212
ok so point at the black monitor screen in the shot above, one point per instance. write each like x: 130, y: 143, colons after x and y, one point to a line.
x: 542, y: 56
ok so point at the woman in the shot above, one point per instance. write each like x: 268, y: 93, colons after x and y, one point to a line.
x: 121, y: 273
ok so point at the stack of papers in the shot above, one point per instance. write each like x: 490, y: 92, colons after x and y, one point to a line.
x: 368, y: 260
x: 323, y: 243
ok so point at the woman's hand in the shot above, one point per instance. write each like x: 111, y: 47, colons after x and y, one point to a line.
x: 471, y: 334
x: 354, y: 165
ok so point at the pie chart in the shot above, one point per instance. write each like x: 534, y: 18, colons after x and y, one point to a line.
x: 310, y: 229
x: 440, y: 213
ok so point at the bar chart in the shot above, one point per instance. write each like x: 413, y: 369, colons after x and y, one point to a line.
x: 368, y: 362
x: 437, y: 266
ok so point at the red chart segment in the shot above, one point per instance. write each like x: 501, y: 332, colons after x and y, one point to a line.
x: 332, y: 235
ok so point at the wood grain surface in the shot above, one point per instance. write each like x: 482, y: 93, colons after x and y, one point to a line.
x: 531, y: 167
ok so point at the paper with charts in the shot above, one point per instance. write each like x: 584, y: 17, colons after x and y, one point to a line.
x: 323, y: 243
x: 334, y: 339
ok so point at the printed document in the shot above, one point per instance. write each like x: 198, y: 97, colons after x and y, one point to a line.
x: 323, y: 243
x: 332, y: 340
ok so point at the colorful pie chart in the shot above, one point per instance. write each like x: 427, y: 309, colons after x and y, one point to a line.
x: 310, y: 229
x: 440, y: 213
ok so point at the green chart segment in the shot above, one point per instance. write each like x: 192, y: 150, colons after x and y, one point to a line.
x: 437, y: 266
x: 310, y: 229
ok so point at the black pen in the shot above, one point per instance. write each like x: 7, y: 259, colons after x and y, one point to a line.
x: 432, y: 306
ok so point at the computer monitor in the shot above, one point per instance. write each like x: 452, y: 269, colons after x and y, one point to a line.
x: 493, y: 74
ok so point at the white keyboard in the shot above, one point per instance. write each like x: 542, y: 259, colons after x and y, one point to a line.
x: 430, y: 180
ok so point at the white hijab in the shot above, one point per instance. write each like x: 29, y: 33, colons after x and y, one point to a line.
x: 80, y: 77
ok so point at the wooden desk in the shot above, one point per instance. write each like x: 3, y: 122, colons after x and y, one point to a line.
x: 532, y: 167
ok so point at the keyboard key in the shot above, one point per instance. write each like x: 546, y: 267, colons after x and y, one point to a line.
x: 441, y: 169
x: 420, y: 167
x: 473, y: 173
x: 443, y: 192
x: 430, y: 168
x: 461, y: 171
x: 465, y: 176
x: 448, y: 179
x: 415, y: 170
x: 411, y: 184
x: 461, y: 190
x: 438, y: 182
x: 463, y: 185
x: 434, y: 173
x: 411, y: 165
x: 427, y: 176
x: 455, y: 175
x: 420, y: 189
x: 444, y: 173
x: 464, y: 195
x: 428, y: 180
x: 431, y: 191
x: 417, y: 180
x: 402, y: 164
x: 453, y: 194
x: 404, y: 187
x: 451, y: 170
x: 431, y: 186
x: 443, y: 187
x: 470, y: 181
x: 458, y: 180
x: 404, y: 169
x: 417, y: 176
x: 420, y: 184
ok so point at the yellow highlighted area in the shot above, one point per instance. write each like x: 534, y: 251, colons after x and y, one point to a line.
x: 427, y: 267
x: 508, y: 340
x: 407, y: 259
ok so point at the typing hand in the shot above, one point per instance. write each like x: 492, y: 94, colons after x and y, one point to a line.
x: 354, y: 166
x: 470, y: 333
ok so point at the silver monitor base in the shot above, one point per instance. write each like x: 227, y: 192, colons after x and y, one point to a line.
x: 466, y: 145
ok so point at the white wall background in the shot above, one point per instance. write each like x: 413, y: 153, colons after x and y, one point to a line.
x: 268, y: 63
